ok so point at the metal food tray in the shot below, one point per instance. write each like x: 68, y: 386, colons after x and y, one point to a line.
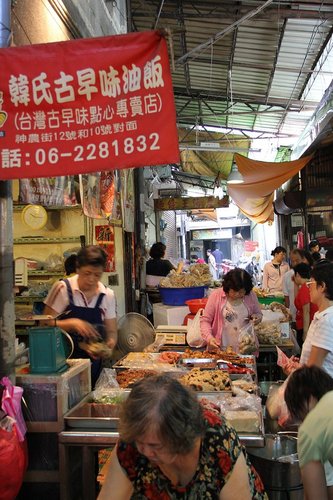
x: 84, y: 416
x: 206, y: 363
x: 150, y: 361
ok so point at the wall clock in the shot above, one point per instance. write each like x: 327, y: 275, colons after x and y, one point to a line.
x: 34, y: 216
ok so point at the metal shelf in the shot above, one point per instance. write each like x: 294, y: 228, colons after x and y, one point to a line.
x: 19, y: 208
x: 42, y: 239
x: 29, y: 298
x: 44, y: 272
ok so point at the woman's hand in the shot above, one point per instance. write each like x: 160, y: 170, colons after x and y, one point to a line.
x: 212, y: 344
x: 111, y: 343
x: 85, y: 329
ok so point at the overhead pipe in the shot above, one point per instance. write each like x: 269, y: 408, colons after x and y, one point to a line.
x: 7, y: 316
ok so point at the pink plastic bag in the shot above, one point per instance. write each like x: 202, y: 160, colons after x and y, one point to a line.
x: 11, y: 405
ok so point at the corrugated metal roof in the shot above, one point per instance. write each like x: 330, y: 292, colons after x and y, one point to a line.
x: 242, y: 72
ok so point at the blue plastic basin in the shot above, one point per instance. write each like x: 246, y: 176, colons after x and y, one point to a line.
x: 178, y: 296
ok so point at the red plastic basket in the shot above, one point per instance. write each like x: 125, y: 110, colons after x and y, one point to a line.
x: 196, y: 304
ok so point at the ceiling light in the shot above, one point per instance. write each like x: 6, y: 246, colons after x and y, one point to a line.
x: 235, y: 177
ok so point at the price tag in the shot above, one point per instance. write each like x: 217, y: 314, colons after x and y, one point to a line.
x: 285, y: 330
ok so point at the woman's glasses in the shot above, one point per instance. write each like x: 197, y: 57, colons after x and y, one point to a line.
x: 309, y: 283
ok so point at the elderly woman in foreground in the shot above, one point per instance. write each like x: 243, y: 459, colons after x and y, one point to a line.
x: 170, y: 447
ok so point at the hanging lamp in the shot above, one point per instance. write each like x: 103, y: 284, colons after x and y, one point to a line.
x: 235, y: 177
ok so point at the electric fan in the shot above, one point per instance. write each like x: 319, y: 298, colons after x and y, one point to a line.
x: 135, y: 332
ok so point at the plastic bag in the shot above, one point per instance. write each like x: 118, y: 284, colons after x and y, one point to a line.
x: 288, y: 365
x: 106, y: 385
x: 13, y: 450
x: 247, y: 339
x: 13, y: 462
x: 155, y: 346
x: 193, y: 336
x: 11, y: 405
x: 276, y: 405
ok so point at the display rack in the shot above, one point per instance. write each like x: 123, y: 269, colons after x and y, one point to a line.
x: 43, y: 239
x: 48, y: 398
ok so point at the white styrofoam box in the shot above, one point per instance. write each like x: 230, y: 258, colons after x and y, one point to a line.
x: 274, y: 316
x: 169, y: 315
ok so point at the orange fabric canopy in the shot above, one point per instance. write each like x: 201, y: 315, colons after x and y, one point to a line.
x: 255, y: 196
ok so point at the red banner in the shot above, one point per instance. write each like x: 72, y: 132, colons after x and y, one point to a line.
x: 105, y: 239
x: 86, y: 106
x: 250, y: 246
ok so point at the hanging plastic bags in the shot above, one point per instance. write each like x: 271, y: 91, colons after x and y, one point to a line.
x: 193, y: 337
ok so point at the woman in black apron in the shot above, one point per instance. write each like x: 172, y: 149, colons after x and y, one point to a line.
x: 84, y: 306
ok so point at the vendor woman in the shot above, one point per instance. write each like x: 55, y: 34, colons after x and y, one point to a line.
x: 229, y: 309
x: 85, y: 307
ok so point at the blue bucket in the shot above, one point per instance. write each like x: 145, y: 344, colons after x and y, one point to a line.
x: 178, y: 296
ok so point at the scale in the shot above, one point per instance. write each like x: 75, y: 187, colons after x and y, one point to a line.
x: 49, y: 346
x: 171, y: 335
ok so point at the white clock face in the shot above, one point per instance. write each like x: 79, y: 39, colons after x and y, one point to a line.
x: 34, y: 216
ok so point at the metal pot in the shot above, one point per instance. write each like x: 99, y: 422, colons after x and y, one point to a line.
x: 278, y: 467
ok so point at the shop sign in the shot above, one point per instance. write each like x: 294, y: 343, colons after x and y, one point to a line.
x: 104, y: 236
x: 191, y: 203
x: 86, y: 106
x: 250, y: 246
x: 212, y: 234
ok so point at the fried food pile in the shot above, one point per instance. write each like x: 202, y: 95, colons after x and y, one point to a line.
x: 197, y: 275
x: 207, y: 380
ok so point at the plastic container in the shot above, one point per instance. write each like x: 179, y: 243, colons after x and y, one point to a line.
x: 269, y: 300
x: 179, y: 296
x: 195, y: 304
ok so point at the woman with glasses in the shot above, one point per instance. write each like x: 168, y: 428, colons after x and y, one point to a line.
x: 318, y: 346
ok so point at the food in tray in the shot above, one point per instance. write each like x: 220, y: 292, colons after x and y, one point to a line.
x: 244, y: 385
x: 198, y: 275
x: 264, y: 292
x: 228, y: 355
x: 127, y: 378
x: 243, y: 420
x: 138, y: 356
x: 199, y: 363
x: 283, y: 313
x: 207, y: 380
x: 169, y: 357
x: 261, y: 292
x: 109, y: 399
x: 149, y: 361
x: 237, y: 370
x: 98, y: 349
x: 268, y: 333
x: 210, y: 405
